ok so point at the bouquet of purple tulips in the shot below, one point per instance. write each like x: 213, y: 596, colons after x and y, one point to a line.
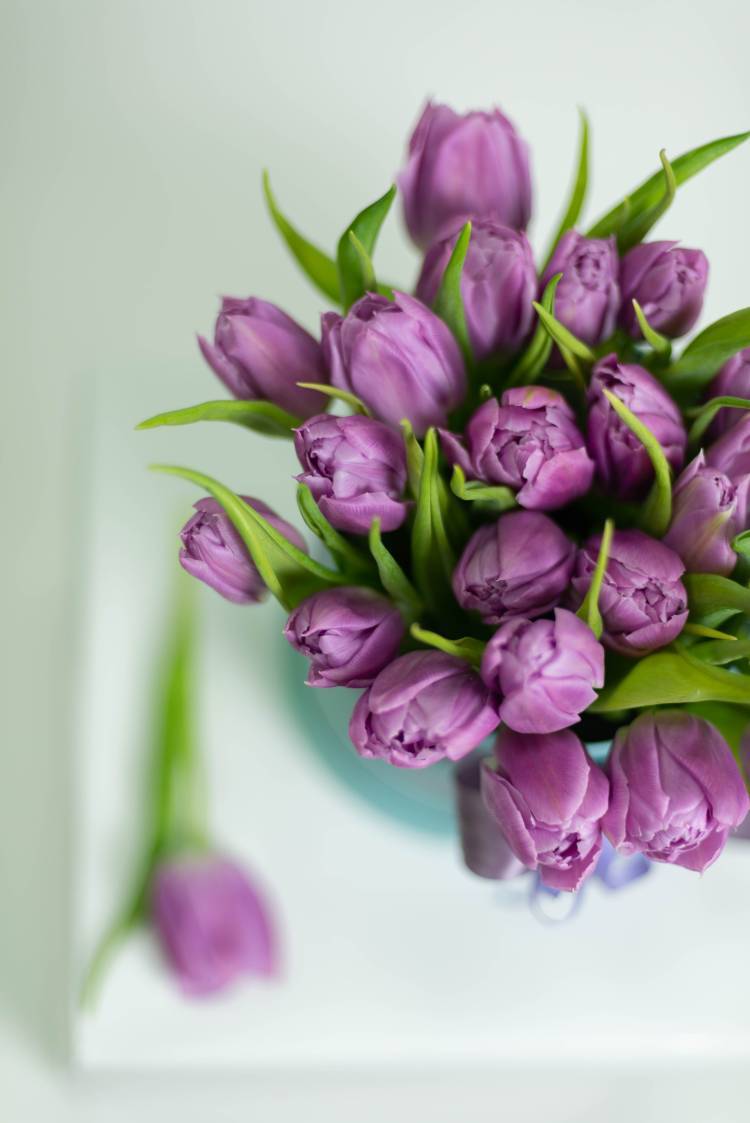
x: 533, y: 517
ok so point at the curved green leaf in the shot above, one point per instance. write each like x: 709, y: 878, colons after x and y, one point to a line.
x: 657, y: 511
x: 472, y: 491
x: 707, y: 413
x: 356, y: 245
x: 433, y: 559
x: 563, y: 337
x: 534, y: 359
x: 660, y: 344
x: 741, y: 544
x: 448, y: 303
x: 414, y: 457
x: 465, y: 648
x: 578, y: 190
x: 669, y: 678
x: 719, y: 652
x: 350, y: 560
x: 318, y: 266
x: 709, y: 593
x: 638, y: 225
x: 710, y: 349
x: 261, y: 417
x: 589, y: 610
x: 392, y: 577
x: 340, y: 395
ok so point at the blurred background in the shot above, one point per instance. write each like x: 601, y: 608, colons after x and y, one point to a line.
x: 133, y: 138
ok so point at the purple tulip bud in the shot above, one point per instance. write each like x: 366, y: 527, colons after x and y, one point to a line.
x: 621, y: 460
x: 356, y: 470
x: 676, y: 790
x: 213, y: 551
x: 528, y: 441
x: 462, y: 166
x: 485, y: 851
x: 348, y: 634
x: 260, y: 352
x: 731, y: 455
x: 668, y: 284
x: 545, y: 671
x: 732, y: 381
x: 705, y: 519
x: 212, y: 922
x: 423, y: 707
x: 398, y: 357
x: 518, y: 566
x: 587, y: 298
x: 643, y: 602
x: 498, y: 284
x: 548, y: 799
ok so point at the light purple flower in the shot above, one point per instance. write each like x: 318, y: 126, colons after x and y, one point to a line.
x: 667, y: 282
x: 463, y: 166
x: 587, y: 299
x: 517, y: 566
x: 423, y: 707
x: 213, y: 551
x: 355, y: 468
x: 731, y: 455
x: 706, y: 516
x: 348, y: 634
x: 622, y: 463
x: 485, y: 851
x: 676, y: 790
x: 398, y: 357
x: 498, y: 285
x: 529, y: 441
x: 732, y: 381
x: 548, y: 799
x: 545, y: 671
x: 212, y: 922
x: 260, y: 352
x: 643, y: 602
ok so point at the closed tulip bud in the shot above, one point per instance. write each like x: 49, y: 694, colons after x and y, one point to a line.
x: 212, y: 922
x: 518, y: 566
x: 422, y: 708
x: 587, y: 299
x: 731, y: 455
x: 548, y: 798
x: 260, y: 352
x: 676, y: 790
x: 529, y: 441
x: 461, y: 166
x: 705, y: 519
x: 545, y: 671
x: 355, y: 468
x: 642, y: 600
x: 398, y: 357
x: 348, y: 634
x: 732, y: 381
x: 622, y: 463
x: 668, y: 282
x: 498, y: 285
x: 213, y: 551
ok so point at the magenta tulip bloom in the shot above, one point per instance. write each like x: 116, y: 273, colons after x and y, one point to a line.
x: 587, y: 299
x: 355, y: 468
x: 622, y: 463
x: 498, y: 284
x: 529, y: 441
x: 668, y: 282
x: 676, y: 790
x: 732, y: 381
x: 464, y: 166
x: 731, y: 455
x: 706, y: 516
x: 398, y: 357
x: 518, y: 566
x: 548, y: 799
x: 213, y: 551
x: 260, y: 352
x: 423, y: 707
x: 348, y: 634
x: 212, y: 922
x: 545, y: 671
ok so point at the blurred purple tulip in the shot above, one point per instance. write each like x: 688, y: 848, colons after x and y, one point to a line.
x: 587, y: 298
x: 485, y: 851
x: 732, y: 381
x: 667, y: 282
x: 706, y: 516
x: 731, y: 455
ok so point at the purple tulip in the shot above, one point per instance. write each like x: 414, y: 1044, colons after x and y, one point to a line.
x: 213, y: 551
x: 485, y: 851
x: 398, y: 357
x: 668, y: 283
x: 743, y: 830
x: 498, y: 284
x: 212, y: 922
x: 423, y: 707
x: 260, y: 352
x: 548, y: 799
x: 348, y: 634
x: 731, y: 455
x: 463, y: 166
x: 356, y: 470
x: 706, y: 516
x: 621, y: 460
x: 587, y: 298
x: 643, y: 602
x: 676, y: 790
x: 518, y: 566
x: 732, y: 381
x: 545, y: 671
x: 529, y: 441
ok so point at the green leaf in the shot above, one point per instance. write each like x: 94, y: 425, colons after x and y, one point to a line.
x: 589, y: 610
x: 655, y: 339
x: 318, y: 266
x: 341, y: 395
x: 534, y: 359
x: 741, y: 544
x: 349, y: 559
x: 465, y: 648
x: 657, y: 511
x: 503, y: 498
x: 669, y: 678
x: 718, y: 652
x: 707, y: 413
x: 433, y: 559
x: 710, y: 349
x: 414, y: 457
x: 578, y: 190
x: 562, y: 337
x: 356, y: 245
x: 392, y: 577
x: 708, y: 593
x: 261, y: 417
x: 638, y: 224
x: 287, y: 571
x: 707, y: 633
x: 448, y: 303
